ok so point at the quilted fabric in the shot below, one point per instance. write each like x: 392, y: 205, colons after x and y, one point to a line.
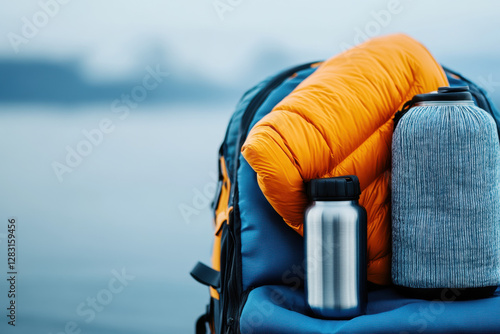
x: 337, y: 122
x: 275, y: 309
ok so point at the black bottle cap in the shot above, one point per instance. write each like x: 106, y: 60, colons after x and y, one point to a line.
x: 342, y: 188
x: 460, y: 93
x: 444, y: 94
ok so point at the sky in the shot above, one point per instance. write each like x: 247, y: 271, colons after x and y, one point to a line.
x: 221, y: 39
x: 221, y: 44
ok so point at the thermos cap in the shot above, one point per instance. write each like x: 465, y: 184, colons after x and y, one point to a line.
x: 342, y: 188
x: 460, y: 93
x: 444, y: 96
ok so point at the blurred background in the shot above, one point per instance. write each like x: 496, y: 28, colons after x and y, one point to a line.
x: 111, y: 114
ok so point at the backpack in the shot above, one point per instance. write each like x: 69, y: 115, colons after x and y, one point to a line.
x: 246, y: 253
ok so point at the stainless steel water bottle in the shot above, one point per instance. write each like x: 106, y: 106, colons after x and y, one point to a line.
x: 335, y: 248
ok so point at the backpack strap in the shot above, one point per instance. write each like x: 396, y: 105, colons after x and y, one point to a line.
x: 206, y: 275
x: 201, y: 324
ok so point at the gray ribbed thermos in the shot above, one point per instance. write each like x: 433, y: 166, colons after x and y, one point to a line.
x: 335, y: 248
x: 445, y: 196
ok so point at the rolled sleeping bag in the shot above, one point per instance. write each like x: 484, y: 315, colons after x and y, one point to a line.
x: 337, y: 122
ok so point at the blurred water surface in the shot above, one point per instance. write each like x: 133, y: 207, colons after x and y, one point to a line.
x: 118, y: 210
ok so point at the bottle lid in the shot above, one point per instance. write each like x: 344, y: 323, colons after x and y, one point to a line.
x: 342, y: 188
x: 459, y: 93
x: 446, y: 95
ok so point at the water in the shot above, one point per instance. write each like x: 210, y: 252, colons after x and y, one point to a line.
x: 118, y: 210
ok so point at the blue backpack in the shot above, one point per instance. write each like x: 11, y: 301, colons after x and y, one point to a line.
x: 257, y: 272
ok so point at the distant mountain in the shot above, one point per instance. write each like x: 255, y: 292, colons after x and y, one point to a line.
x: 45, y: 81
x: 49, y: 81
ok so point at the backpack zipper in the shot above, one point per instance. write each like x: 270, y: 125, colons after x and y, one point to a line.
x: 234, y: 309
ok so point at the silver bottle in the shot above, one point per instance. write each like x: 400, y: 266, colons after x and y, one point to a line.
x: 335, y: 248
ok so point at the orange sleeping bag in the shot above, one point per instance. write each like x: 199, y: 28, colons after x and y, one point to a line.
x: 339, y: 122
